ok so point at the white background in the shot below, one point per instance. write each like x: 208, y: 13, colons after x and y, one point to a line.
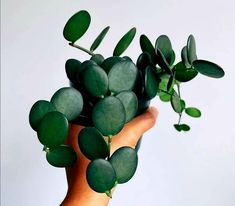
x: 175, y: 169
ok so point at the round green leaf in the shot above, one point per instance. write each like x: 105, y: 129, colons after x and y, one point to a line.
x: 146, y: 46
x: 182, y: 74
x: 38, y: 111
x: 124, y: 42
x: 124, y: 161
x: 182, y: 127
x: 208, y: 68
x: 108, y: 63
x: 109, y: 115
x: 163, y: 44
x: 122, y: 76
x: 61, y: 156
x: 143, y: 61
x: 151, y: 83
x: 193, y: 112
x: 95, y: 80
x: 175, y: 102
x: 97, y: 58
x: 182, y: 103
x: 191, y: 49
x: 92, y: 143
x: 184, y: 57
x: 53, y: 129
x: 164, y: 97
x: 130, y: 103
x: 77, y: 26
x: 72, y: 67
x: 100, y: 175
x: 68, y: 101
x: 99, y: 38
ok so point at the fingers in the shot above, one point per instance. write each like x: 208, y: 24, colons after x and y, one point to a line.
x: 133, y: 130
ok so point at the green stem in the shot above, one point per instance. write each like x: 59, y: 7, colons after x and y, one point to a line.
x: 178, y: 88
x: 81, y: 48
x: 180, y: 115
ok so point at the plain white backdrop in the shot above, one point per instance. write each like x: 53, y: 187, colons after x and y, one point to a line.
x: 175, y: 169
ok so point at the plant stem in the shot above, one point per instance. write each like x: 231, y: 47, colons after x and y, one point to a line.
x: 109, y: 144
x: 81, y: 48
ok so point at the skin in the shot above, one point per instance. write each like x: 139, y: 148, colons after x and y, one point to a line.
x: 79, y: 193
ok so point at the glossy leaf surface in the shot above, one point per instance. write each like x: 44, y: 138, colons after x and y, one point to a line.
x: 61, y: 156
x: 77, y: 26
x: 130, y: 103
x: 109, y: 116
x: 124, y: 161
x: 99, y: 38
x: 209, y: 69
x: 124, y: 42
x: 68, y: 101
x: 100, y: 175
x: 122, y: 76
x: 193, y: 112
x: 92, y: 143
x: 38, y: 111
x: 53, y: 129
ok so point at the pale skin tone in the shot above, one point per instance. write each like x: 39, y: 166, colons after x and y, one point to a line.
x: 79, y: 193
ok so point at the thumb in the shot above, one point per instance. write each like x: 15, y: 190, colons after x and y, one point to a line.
x: 134, y: 129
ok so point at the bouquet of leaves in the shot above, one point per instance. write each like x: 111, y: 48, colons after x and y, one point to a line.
x: 106, y: 93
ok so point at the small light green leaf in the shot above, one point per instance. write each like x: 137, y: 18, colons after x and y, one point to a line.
x: 175, y: 102
x: 100, y: 175
x: 109, y: 116
x: 208, y: 68
x: 146, y: 46
x: 61, y: 156
x: 193, y: 112
x: 77, y: 26
x: 92, y: 144
x: 191, y: 49
x: 124, y: 161
x: 99, y: 38
x: 124, y: 42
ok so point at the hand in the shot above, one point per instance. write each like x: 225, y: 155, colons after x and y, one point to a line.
x: 79, y: 193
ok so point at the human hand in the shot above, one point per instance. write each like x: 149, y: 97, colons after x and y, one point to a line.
x: 79, y: 192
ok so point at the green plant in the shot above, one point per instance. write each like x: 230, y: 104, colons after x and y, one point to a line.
x: 105, y: 94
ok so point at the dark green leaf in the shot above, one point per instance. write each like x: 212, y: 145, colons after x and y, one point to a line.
x: 143, y: 105
x: 208, y: 68
x: 110, y: 62
x: 77, y: 26
x: 184, y: 57
x: 177, y: 127
x: 130, y: 103
x: 151, y: 83
x: 97, y: 58
x: 124, y: 161
x: 175, y: 102
x: 139, y: 84
x: 182, y: 74
x: 109, y: 116
x: 170, y: 83
x: 61, y: 156
x: 100, y: 175
x: 146, y: 46
x: 193, y: 112
x: 163, y: 63
x: 68, y: 101
x: 92, y: 143
x: 122, y: 76
x: 95, y: 81
x: 38, y: 111
x: 72, y: 67
x: 53, y: 129
x: 143, y: 61
x: 191, y: 49
x: 182, y: 127
x: 99, y: 38
x: 163, y: 44
x: 124, y: 42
